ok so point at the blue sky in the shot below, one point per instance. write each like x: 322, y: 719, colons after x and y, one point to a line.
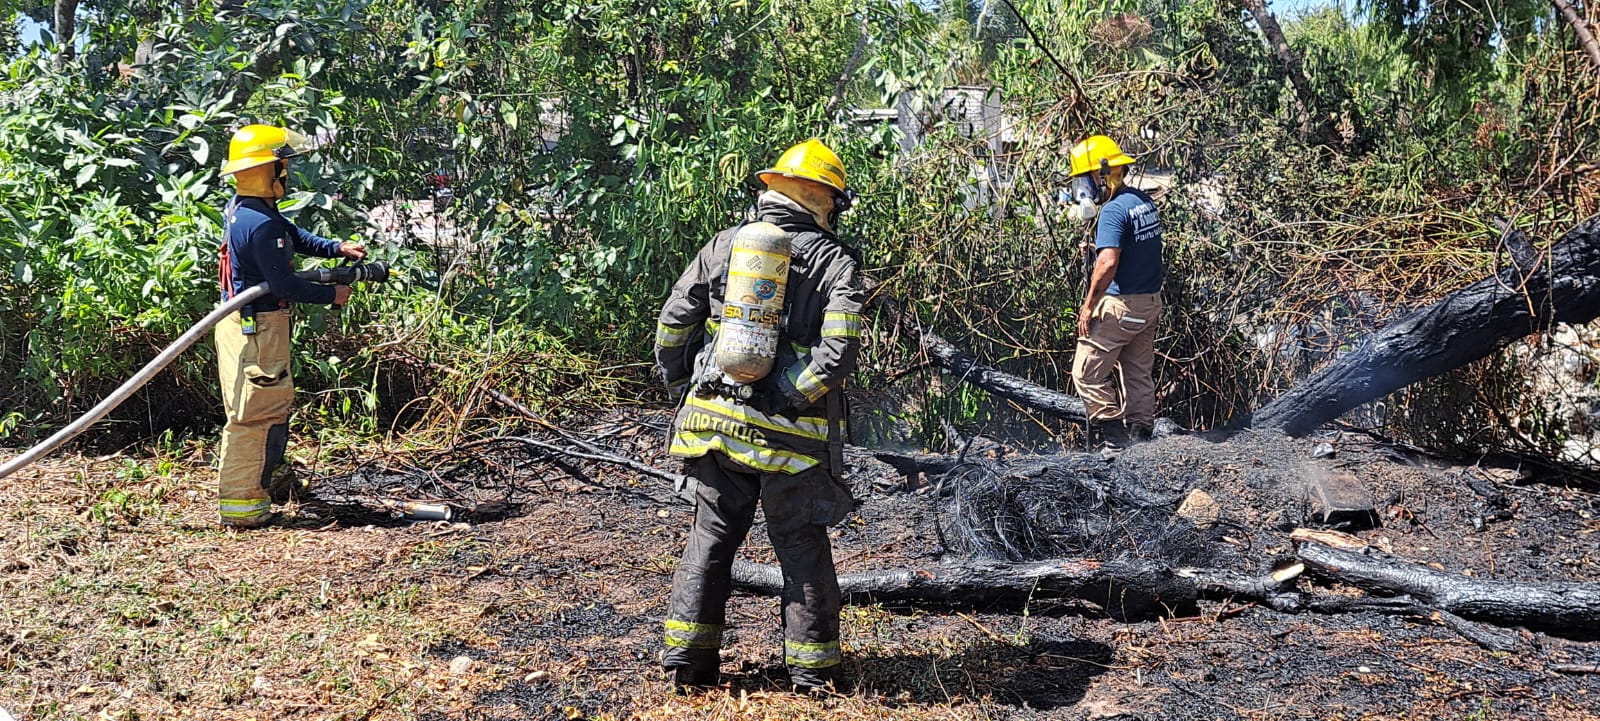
x: 1294, y: 7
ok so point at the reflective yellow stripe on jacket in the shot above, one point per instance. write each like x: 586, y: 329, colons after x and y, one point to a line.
x: 841, y: 325
x: 810, y: 427
x: 670, y: 337
x: 693, y: 444
x: 807, y: 383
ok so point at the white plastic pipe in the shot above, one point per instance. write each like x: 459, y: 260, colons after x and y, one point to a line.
x: 139, y: 379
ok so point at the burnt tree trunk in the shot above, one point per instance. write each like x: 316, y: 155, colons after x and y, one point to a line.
x: 1467, y: 325
x: 967, y: 367
x: 1126, y: 589
x: 1557, y: 606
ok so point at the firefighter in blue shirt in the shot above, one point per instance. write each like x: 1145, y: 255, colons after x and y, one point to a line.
x: 1117, y: 321
x: 259, y: 246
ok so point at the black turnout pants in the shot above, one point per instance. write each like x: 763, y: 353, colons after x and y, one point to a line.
x: 799, y: 508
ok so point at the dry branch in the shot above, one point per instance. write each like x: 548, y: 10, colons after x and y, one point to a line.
x: 1580, y: 28
x: 1305, y: 99
x: 1555, y: 606
x: 967, y: 367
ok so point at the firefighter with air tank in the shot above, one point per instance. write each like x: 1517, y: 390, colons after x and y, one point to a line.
x: 757, y: 339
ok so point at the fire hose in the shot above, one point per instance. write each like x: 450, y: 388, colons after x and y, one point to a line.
x: 375, y: 272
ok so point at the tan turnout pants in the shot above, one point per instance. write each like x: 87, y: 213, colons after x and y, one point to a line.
x: 257, y: 392
x: 1122, y: 337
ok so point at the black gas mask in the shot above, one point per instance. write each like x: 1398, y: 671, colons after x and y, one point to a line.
x: 842, y: 202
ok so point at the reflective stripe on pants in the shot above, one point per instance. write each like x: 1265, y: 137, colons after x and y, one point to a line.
x: 257, y: 392
x: 798, y: 508
x: 684, y: 634
x: 812, y: 655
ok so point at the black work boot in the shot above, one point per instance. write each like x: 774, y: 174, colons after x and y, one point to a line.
x: 1109, y: 435
x: 687, y: 678
x: 814, y: 681
x: 1139, y: 433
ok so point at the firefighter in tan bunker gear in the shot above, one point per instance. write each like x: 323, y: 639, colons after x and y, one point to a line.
x: 1117, y: 321
x: 777, y: 440
x: 259, y: 246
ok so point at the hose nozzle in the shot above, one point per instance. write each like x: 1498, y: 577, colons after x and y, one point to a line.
x: 374, y: 272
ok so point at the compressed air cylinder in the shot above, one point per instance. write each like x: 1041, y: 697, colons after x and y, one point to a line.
x: 752, y: 308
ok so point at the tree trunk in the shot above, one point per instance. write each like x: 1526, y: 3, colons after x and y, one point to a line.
x: 1581, y: 29
x: 66, y: 25
x: 1128, y: 589
x: 1305, y: 101
x: 1468, y: 324
x: 1556, y: 606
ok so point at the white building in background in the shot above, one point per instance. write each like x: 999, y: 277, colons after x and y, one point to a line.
x: 975, y: 112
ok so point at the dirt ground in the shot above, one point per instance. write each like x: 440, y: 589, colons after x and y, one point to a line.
x: 123, y: 600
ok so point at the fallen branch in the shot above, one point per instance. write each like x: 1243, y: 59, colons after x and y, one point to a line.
x: 966, y: 367
x: 1576, y: 668
x: 679, y: 481
x: 1129, y: 589
x: 1559, y: 607
x: 576, y: 448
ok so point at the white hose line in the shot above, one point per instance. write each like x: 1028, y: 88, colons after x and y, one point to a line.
x: 139, y: 379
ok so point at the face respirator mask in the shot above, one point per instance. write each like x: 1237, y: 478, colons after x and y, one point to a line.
x: 1085, y: 195
x: 281, y: 179
x: 841, y: 203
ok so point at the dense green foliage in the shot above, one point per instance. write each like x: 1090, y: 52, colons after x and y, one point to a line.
x: 594, y: 145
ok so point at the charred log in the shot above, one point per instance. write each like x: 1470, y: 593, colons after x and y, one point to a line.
x: 1558, y: 607
x: 1465, y: 326
x: 1125, y: 589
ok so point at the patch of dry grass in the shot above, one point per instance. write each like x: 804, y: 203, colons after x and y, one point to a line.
x: 123, y: 600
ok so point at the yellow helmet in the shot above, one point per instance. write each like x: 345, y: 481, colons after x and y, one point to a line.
x: 254, y: 145
x: 810, y: 160
x: 1089, y: 154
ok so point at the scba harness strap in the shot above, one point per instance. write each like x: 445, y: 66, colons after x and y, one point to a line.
x: 247, y: 314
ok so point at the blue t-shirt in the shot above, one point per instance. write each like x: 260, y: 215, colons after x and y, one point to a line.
x: 1130, y: 222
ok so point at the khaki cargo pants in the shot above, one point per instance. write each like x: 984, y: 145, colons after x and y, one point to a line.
x: 1122, y: 337
x: 257, y: 393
